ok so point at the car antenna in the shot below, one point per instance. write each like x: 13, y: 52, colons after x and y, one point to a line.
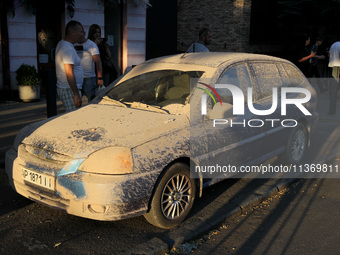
x: 184, y: 53
x: 193, y: 43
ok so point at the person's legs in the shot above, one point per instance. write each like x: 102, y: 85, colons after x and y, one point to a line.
x: 89, y: 87
x: 333, y: 90
x: 106, y: 79
x: 318, y: 80
x: 67, y: 97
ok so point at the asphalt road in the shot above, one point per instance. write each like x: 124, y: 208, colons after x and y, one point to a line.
x: 303, y: 220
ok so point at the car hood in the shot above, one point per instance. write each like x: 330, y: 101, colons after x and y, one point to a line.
x: 93, y: 127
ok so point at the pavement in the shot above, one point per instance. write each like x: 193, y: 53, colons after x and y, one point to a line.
x: 325, y: 146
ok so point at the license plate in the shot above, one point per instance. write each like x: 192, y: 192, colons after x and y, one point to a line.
x: 42, y: 180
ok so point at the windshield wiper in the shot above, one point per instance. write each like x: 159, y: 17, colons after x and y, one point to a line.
x: 108, y: 100
x: 139, y: 105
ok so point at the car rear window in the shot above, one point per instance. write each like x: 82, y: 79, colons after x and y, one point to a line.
x: 295, y: 76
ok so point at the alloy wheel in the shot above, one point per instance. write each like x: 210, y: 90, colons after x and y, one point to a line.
x: 176, y: 196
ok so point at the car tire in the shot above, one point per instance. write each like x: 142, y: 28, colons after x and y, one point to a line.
x: 296, y: 146
x: 173, y: 197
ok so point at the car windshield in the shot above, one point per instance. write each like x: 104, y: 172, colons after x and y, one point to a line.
x: 158, y: 88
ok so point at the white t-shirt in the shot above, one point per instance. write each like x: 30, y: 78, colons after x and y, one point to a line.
x: 197, y: 47
x: 89, y: 49
x: 334, y: 55
x: 66, y: 54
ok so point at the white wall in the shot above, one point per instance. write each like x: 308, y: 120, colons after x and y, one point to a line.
x: 136, y: 23
x: 88, y: 12
x: 22, y: 41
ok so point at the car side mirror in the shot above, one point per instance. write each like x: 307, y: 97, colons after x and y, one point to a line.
x: 219, y: 111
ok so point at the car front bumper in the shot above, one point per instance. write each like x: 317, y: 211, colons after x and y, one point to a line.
x: 94, y: 196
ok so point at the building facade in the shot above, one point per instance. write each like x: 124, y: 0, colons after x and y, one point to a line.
x: 34, y: 31
x: 137, y: 30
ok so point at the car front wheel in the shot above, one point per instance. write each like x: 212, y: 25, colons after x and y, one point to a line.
x: 173, y: 197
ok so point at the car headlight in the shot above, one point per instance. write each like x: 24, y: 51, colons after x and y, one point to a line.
x: 111, y: 160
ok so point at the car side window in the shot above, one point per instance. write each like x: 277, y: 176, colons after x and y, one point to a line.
x: 267, y: 76
x: 295, y: 76
x: 237, y: 75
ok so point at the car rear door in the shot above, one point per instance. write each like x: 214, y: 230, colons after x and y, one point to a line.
x: 230, y: 140
x: 268, y: 75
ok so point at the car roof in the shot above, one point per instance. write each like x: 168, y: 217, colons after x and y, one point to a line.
x: 213, y: 59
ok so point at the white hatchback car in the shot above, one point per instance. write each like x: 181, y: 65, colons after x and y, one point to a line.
x: 129, y: 151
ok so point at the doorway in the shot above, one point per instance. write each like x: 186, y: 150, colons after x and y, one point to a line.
x: 161, y: 29
x: 113, y: 31
x: 48, y: 27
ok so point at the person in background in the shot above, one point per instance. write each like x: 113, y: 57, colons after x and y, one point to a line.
x: 68, y: 69
x: 304, y: 55
x: 89, y: 55
x: 204, y: 40
x: 94, y: 33
x: 313, y: 71
x: 109, y: 71
x: 334, y: 63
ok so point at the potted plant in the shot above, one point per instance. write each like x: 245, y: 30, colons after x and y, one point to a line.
x: 28, y: 83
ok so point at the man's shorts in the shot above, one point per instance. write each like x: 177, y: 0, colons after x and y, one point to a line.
x: 67, y: 97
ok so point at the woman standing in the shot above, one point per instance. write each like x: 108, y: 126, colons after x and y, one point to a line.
x: 109, y: 71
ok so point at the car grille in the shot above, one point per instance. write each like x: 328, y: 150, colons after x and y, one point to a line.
x: 46, y: 154
x: 41, y: 160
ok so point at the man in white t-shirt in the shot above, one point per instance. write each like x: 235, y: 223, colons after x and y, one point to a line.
x: 204, y: 40
x: 68, y: 69
x: 334, y: 58
x: 334, y: 63
x: 89, y: 55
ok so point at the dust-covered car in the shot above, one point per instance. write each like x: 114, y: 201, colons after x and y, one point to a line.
x: 129, y: 152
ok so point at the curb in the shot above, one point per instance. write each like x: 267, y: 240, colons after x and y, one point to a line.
x: 328, y: 118
x: 157, y: 246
